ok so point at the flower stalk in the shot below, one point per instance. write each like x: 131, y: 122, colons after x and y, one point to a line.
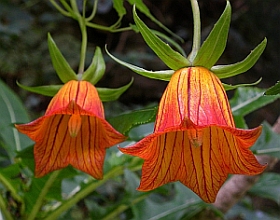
x: 196, y: 30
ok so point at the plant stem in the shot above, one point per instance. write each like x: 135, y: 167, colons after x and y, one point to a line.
x: 121, y: 208
x: 61, y: 10
x: 82, y: 23
x: 41, y: 197
x: 84, y: 192
x: 7, y: 215
x: 196, y: 30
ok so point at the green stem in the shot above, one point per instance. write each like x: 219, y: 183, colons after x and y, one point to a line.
x: 105, y: 28
x: 82, y: 23
x: 10, y: 188
x: 4, y: 210
x: 61, y: 10
x: 42, y: 195
x: 84, y: 192
x: 94, y: 9
x: 196, y: 30
x: 121, y: 208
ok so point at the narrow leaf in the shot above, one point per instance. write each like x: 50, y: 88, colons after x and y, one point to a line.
x: 249, y: 99
x: 12, y: 111
x: 274, y: 90
x: 96, y: 69
x: 108, y: 94
x: 231, y: 87
x: 225, y: 71
x: 49, y: 90
x: 61, y: 66
x: 145, y: 10
x: 124, y: 123
x: 267, y: 187
x: 118, y: 6
x: 170, y: 57
x: 214, y: 46
x: 268, y: 142
x: 161, y: 75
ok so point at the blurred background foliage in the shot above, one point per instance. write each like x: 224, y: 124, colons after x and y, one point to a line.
x: 24, y: 57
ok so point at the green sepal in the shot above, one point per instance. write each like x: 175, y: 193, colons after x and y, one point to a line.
x: 49, y: 90
x: 214, y: 45
x: 170, y: 57
x: 145, y: 10
x: 231, y: 87
x: 96, y: 69
x: 61, y: 66
x: 225, y: 71
x: 161, y: 75
x: 274, y: 90
x: 108, y: 94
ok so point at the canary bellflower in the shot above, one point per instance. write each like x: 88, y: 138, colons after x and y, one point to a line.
x: 73, y: 131
x: 195, y: 140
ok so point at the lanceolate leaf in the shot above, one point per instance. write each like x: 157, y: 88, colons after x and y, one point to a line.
x: 12, y: 111
x: 161, y: 75
x: 215, y: 44
x: 231, y: 87
x: 225, y: 71
x: 249, y: 99
x: 267, y: 187
x: 96, y: 69
x: 268, y: 142
x: 274, y: 90
x: 124, y: 123
x: 118, y: 5
x: 61, y: 66
x: 145, y: 10
x: 170, y: 57
x: 107, y: 94
x: 50, y: 90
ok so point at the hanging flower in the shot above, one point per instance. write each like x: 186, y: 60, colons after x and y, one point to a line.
x: 195, y: 140
x: 73, y: 131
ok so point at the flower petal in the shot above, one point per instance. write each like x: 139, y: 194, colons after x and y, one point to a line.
x: 197, y: 94
x: 171, y: 156
x: 72, y: 132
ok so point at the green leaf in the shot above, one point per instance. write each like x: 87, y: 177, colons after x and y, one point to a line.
x: 268, y: 142
x: 225, y: 71
x: 124, y: 123
x: 49, y: 90
x: 12, y: 111
x: 96, y: 69
x: 274, y: 90
x: 183, y: 201
x: 61, y: 66
x: 249, y: 99
x: 231, y: 87
x: 170, y: 57
x: 214, y: 46
x: 267, y: 187
x: 145, y: 10
x: 108, y: 94
x: 161, y: 75
x: 118, y: 6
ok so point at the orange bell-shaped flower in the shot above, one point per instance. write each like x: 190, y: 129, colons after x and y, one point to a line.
x: 195, y: 140
x: 73, y: 131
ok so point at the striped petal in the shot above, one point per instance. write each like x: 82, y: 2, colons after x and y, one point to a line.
x: 195, y: 140
x: 72, y: 132
x: 197, y: 94
x: 171, y: 156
